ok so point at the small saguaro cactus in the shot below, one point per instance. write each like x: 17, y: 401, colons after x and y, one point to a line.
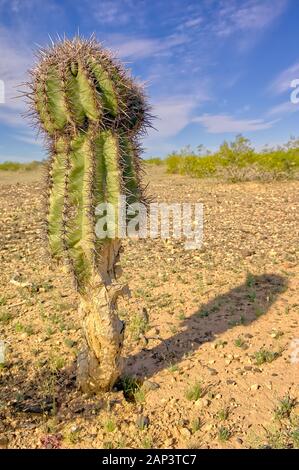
x: 92, y: 114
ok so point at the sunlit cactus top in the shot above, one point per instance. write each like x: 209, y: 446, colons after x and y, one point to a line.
x: 93, y: 114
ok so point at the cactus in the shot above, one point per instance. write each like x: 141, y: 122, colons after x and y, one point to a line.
x: 92, y: 114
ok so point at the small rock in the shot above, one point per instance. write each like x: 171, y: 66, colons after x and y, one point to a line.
x: 142, y: 421
x: 218, y: 396
x: 227, y: 362
x: 148, y: 385
x: 206, y: 402
x: 169, y: 442
x: 231, y: 382
x: 239, y: 440
x: 255, y: 387
x: 186, y: 432
x: 212, y: 371
x: 208, y: 427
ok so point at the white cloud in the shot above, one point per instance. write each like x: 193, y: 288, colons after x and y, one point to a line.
x: 252, y: 15
x: 283, y: 81
x: 173, y: 114
x: 16, y: 59
x: 221, y: 123
x: 145, y: 47
x: 283, y: 108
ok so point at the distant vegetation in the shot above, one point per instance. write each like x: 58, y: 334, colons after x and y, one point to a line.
x: 154, y: 161
x: 16, y: 166
x: 237, y: 161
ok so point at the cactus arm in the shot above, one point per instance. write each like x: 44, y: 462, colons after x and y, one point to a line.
x: 104, y: 87
x: 55, y: 220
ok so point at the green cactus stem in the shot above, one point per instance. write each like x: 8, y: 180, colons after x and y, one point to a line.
x: 92, y: 114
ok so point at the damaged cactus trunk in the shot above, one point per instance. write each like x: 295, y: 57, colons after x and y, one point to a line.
x: 92, y: 114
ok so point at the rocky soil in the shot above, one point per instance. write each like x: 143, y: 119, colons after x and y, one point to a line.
x: 211, y: 357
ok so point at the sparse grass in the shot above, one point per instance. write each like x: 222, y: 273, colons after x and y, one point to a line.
x: 295, y: 438
x: 259, y: 311
x: 137, y: 326
x: 131, y: 388
x: 56, y: 363
x: 139, y: 396
x: 195, y: 425
x: 251, y: 295
x: 277, y: 334
x: 240, y: 343
x: 73, y: 436
x: 223, y: 434
x: 3, y: 301
x: 250, y: 280
x: 173, y: 368
x: 265, y: 356
x: 147, y: 442
x: 110, y: 425
x: 195, y: 392
x: 223, y: 414
x: 5, y: 317
x: 284, y: 408
x: 21, y: 328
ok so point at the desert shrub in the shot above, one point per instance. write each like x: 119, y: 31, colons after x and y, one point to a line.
x: 237, y: 161
x: 16, y: 166
x: 154, y: 161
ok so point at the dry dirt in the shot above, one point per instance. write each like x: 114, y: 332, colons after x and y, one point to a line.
x: 217, y: 359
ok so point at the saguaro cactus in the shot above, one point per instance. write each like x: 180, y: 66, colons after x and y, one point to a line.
x: 92, y: 114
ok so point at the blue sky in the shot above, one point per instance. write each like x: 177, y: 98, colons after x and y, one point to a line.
x: 212, y: 68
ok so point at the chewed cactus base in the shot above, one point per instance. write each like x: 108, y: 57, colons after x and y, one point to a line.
x: 99, y: 363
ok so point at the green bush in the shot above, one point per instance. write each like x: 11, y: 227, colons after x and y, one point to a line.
x: 16, y: 166
x: 154, y: 161
x: 237, y: 161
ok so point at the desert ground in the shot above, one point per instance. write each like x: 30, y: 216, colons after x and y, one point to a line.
x: 211, y: 356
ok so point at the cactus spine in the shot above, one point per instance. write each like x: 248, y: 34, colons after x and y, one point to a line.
x: 92, y: 114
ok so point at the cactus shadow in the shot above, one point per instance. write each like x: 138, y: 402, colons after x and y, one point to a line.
x: 241, y: 305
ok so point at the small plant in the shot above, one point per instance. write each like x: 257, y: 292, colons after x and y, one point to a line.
x: 21, y: 328
x: 277, y: 334
x: 139, y: 396
x: 258, y: 311
x: 195, y: 392
x: 5, y: 317
x: 250, y: 280
x: 224, y: 434
x: 223, y: 414
x: 265, y: 356
x: 130, y: 387
x: 56, y: 363
x: 240, y: 343
x: 3, y: 301
x: 137, y: 327
x: 195, y: 425
x: 147, y: 442
x: 110, y: 425
x: 295, y: 438
x: 284, y: 407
